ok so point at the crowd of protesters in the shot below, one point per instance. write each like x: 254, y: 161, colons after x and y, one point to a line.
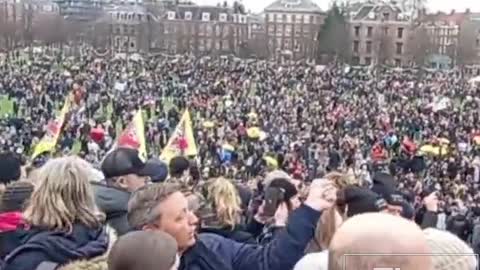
x: 292, y: 159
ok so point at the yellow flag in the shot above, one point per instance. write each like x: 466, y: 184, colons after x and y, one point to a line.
x: 133, y: 136
x: 182, y: 141
x: 54, y: 128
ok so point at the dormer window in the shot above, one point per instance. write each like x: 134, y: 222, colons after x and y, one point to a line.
x: 222, y: 17
x: 205, y: 16
x: 188, y: 16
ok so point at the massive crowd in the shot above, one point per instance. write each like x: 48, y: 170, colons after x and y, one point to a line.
x: 291, y: 159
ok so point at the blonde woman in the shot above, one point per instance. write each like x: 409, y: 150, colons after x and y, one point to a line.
x: 222, y: 212
x: 61, y: 220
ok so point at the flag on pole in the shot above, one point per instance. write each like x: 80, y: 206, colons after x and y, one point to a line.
x: 133, y: 136
x: 182, y: 141
x: 54, y: 128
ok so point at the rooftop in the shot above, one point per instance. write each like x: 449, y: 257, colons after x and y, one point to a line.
x: 307, y: 6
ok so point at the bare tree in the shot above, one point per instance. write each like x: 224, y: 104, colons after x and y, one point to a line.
x: 466, y: 47
x: 420, y: 46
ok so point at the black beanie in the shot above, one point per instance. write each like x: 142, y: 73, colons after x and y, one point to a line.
x: 287, y: 186
x: 178, y: 165
x: 362, y: 200
x: 10, y: 167
x: 383, y: 185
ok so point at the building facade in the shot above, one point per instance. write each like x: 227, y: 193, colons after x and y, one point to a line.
x: 126, y: 28
x: 292, y: 28
x: 444, y: 32
x: 204, y: 30
x: 379, y: 35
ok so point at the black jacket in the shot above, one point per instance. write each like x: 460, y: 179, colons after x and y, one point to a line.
x: 114, y: 203
x: 40, y: 246
x: 237, y: 234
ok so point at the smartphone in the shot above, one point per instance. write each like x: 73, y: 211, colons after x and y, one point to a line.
x: 273, y: 198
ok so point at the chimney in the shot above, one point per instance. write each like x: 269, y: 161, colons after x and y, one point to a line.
x: 467, y: 11
x: 452, y: 12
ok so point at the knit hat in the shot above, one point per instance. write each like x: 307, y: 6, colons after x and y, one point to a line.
x: 361, y: 200
x: 15, y: 196
x: 178, y: 165
x: 143, y: 250
x: 444, y: 242
x: 10, y: 167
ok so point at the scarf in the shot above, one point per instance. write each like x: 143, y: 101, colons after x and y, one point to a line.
x: 10, y: 221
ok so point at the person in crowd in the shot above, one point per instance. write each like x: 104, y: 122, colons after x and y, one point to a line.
x: 141, y: 250
x: 163, y: 207
x: 371, y: 234
x: 449, y: 251
x: 10, y: 168
x: 124, y: 173
x: 351, y: 201
x: 222, y: 211
x: 62, y: 220
x: 12, y: 203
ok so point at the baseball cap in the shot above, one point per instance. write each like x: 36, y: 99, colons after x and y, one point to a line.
x: 123, y: 161
x: 156, y: 169
x: 362, y: 200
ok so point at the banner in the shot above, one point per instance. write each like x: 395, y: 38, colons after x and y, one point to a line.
x: 54, y: 128
x: 182, y: 141
x: 133, y: 136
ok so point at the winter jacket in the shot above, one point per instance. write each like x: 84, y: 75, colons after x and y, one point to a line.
x: 429, y: 220
x: 459, y: 226
x: 40, y: 246
x: 236, y: 234
x: 213, y: 252
x: 114, y: 203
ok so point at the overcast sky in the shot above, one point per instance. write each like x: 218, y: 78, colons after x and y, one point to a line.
x: 434, y: 5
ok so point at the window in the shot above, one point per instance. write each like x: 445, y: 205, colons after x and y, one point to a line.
x: 205, y: 16
x: 369, y: 31
x: 398, y: 62
x: 284, y: 18
x: 386, y: 16
x: 171, y: 15
x: 400, y: 32
x: 369, y: 47
x: 356, y: 45
x: 385, y: 31
x: 289, y: 18
x: 188, y: 16
x: 357, y: 31
x: 399, y: 48
x: 222, y: 17
x: 271, y: 17
x: 312, y: 19
x: 368, y: 61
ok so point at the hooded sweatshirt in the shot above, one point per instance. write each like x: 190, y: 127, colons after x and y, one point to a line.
x: 114, y: 203
x: 40, y: 246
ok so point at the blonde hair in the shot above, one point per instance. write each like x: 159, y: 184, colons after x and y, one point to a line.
x: 63, y: 196
x: 226, y: 200
x: 332, y: 217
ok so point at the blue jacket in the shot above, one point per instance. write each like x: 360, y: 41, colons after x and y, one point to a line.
x: 213, y: 252
x: 57, y: 247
